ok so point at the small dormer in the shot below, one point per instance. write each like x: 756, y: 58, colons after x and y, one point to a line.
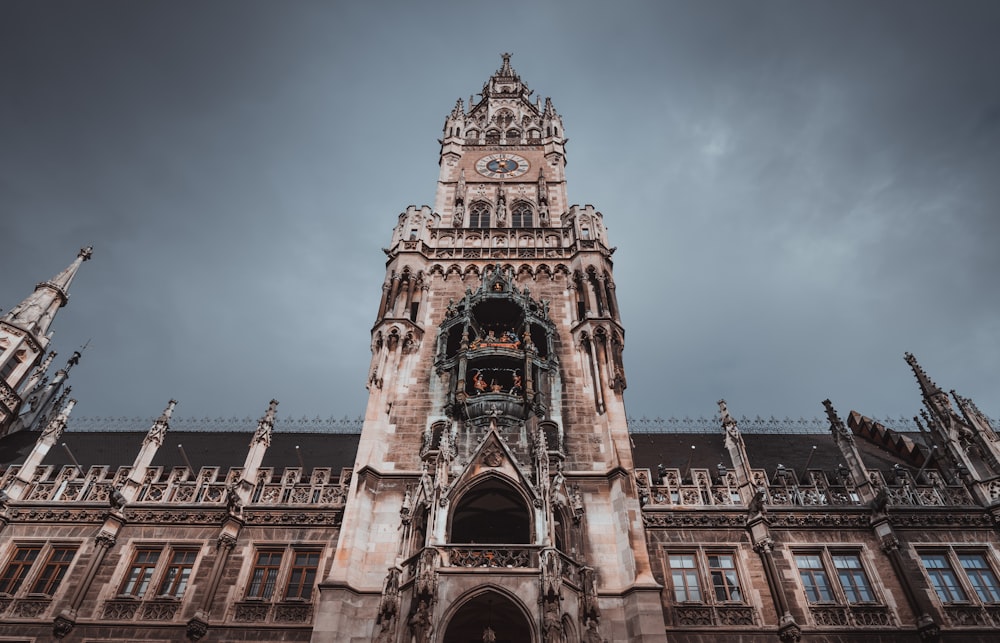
x: 587, y: 223
x: 414, y: 226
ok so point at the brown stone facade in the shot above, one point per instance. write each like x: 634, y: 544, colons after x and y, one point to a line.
x: 494, y: 492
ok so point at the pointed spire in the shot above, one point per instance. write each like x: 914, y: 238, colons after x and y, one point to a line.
x: 459, y: 109
x: 927, y: 386
x: 36, y: 312
x: 728, y: 423
x: 38, y: 373
x: 550, y: 111
x: 934, y: 398
x: 160, y: 426
x: 266, y: 425
x: 45, y: 397
x: 837, y: 427
x: 54, y: 429
x: 505, y: 68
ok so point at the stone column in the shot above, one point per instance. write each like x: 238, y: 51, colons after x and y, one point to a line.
x: 104, y: 541
x: 197, y: 627
x: 926, y: 626
x: 788, y: 629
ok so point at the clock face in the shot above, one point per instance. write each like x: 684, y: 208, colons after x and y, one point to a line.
x: 502, y: 166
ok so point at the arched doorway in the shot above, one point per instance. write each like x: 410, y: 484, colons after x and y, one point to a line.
x: 489, y: 609
x: 491, y: 512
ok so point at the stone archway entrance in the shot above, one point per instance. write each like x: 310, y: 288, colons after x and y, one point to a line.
x: 489, y: 609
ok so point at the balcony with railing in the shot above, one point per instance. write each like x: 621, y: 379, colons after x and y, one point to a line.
x: 784, y: 488
x: 176, y: 486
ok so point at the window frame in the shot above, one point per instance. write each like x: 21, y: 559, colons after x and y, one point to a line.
x: 304, y: 584
x: 953, y: 557
x: 988, y: 568
x: 23, y: 567
x: 138, y: 584
x: 43, y: 575
x: 153, y: 586
x: 522, y: 215
x: 284, y: 577
x: 480, y: 215
x: 184, y: 581
x: 839, y: 595
x: 702, y: 572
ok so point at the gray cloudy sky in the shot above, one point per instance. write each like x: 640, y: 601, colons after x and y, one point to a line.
x: 799, y: 191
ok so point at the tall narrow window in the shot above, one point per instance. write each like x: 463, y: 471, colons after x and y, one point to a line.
x: 55, y: 568
x: 684, y: 576
x: 140, y: 572
x: 814, y: 578
x: 479, y: 215
x: 10, y: 366
x: 264, y: 575
x: 303, y: 575
x: 981, y: 576
x: 521, y: 215
x: 853, y: 579
x: 175, y: 579
x: 725, y: 582
x: 943, y: 577
x: 17, y: 568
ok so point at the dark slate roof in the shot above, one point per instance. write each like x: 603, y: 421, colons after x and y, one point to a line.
x: 221, y: 449
x: 337, y: 450
x: 766, y: 451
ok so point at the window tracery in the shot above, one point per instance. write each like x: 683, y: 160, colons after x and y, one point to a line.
x: 522, y: 215
x: 479, y: 215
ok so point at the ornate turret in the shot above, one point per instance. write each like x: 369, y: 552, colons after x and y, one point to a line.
x: 24, y: 336
x: 41, y: 398
x: 968, y: 443
x: 517, y: 141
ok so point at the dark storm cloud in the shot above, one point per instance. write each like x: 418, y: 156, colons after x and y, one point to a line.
x: 799, y: 191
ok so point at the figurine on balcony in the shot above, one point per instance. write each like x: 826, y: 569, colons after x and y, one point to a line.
x: 495, y: 388
x: 517, y: 388
x: 479, y: 383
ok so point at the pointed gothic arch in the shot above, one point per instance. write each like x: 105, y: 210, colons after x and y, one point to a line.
x: 491, y: 509
x: 522, y: 214
x: 479, y: 214
x: 493, y: 607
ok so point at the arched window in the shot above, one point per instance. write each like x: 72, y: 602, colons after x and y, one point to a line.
x: 534, y: 135
x: 489, y: 609
x: 521, y: 215
x: 472, y: 135
x: 491, y: 513
x: 513, y: 136
x: 479, y: 215
x: 492, y: 137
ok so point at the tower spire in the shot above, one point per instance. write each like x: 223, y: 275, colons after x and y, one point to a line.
x: 931, y: 392
x: 36, y: 312
x: 24, y: 337
x: 505, y: 69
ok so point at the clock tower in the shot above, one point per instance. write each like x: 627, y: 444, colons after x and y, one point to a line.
x: 493, y: 496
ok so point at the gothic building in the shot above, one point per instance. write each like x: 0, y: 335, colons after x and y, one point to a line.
x: 493, y: 491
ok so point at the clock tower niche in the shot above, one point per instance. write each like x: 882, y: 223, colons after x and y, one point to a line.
x: 493, y: 495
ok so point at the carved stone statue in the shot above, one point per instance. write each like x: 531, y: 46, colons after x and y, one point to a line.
x: 551, y: 623
x: 420, y: 624
x: 501, y: 207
